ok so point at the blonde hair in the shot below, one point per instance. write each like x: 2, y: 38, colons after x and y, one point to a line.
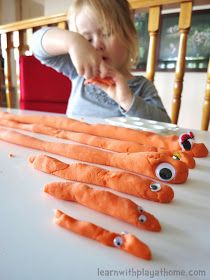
x: 116, y: 17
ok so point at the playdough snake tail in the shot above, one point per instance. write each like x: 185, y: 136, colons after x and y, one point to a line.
x: 104, y: 202
x: 121, y: 181
x: 124, y: 241
x: 152, y: 164
x: 172, y: 143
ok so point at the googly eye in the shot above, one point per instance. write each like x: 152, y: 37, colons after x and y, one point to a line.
x: 186, y: 141
x: 124, y: 232
x: 140, y: 209
x: 191, y: 135
x: 187, y: 144
x: 118, y: 241
x: 176, y: 156
x: 165, y: 171
x: 142, y: 218
x: 155, y: 187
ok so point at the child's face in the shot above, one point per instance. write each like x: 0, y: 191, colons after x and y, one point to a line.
x: 112, y: 50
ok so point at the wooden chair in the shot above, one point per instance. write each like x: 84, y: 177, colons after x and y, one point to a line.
x: 24, y: 29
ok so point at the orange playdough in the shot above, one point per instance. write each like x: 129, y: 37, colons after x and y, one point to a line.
x: 170, y: 142
x: 83, y: 138
x: 125, y: 242
x: 152, y: 164
x: 104, y: 202
x: 108, y: 81
x: 118, y: 180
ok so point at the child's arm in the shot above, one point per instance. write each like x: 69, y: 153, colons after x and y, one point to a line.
x: 55, y: 41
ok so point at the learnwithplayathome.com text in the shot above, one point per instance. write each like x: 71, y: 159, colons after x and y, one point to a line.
x: 151, y: 274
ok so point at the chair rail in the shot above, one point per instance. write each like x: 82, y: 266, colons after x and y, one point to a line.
x: 32, y: 23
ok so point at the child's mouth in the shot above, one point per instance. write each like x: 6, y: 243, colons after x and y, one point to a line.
x: 104, y: 58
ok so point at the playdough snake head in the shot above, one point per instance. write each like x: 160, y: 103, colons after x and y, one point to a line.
x: 168, y: 169
x: 146, y: 220
x: 129, y: 243
x: 187, y: 143
x: 124, y: 241
x: 157, y: 165
x: 185, y: 157
x: 159, y: 192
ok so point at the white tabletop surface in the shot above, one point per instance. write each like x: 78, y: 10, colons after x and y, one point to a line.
x: 32, y: 247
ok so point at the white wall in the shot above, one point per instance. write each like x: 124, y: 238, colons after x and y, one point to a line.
x: 33, y: 8
x: 52, y: 7
x: 29, y: 9
x: 7, y: 11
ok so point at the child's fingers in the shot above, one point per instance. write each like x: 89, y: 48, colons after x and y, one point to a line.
x: 88, y: 69
x: 80, y: 70
x: 105, y: 70
x: 103, y: 83
x: 96, y: 83
x: 88, y: 72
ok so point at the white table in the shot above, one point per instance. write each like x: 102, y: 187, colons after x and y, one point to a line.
x: 32, y: 247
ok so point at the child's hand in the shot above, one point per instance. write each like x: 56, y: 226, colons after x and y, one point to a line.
x: 119, y: 90
x: 85, y: 58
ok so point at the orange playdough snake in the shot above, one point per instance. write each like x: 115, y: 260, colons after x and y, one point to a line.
x: 118, y: 180
x: 105, y: 202
x: 124, y: 241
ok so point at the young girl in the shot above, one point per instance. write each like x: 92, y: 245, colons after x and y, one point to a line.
x: 102, y: 42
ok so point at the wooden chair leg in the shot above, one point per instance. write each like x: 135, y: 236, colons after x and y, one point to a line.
x: 206, y: 105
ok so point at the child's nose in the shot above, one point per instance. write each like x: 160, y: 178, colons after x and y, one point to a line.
x: 99, y: 44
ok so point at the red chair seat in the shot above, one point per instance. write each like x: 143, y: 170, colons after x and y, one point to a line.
x: 41, y: 87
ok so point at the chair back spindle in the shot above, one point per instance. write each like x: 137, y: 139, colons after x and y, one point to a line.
x: 7, y: 45
x: 206, y: 105
x: 184, y: 27
x: 153, y: 29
